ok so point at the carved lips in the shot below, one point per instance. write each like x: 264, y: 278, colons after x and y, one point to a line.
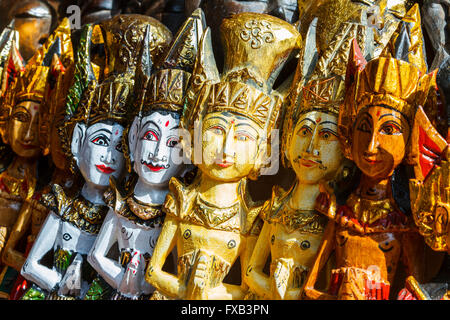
x: 104, y: 169
x: 308, y: 163
x: 153, y: 167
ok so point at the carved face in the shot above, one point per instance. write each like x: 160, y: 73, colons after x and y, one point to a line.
x: 153, y: 144
x: 48, y: 135
x: 379, y: 140
x: 33, y: 20
x: 314, y: 150
x: 97, y: 150
x: 230, y: 146
x: 56, y: 152
x: 23, y: 127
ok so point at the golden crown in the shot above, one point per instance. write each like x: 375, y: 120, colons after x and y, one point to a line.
x: 126, y: 38
x: 245, y: 87
x: 167, y: 86
x: 396, y: 79
x: 391, y: 82
x: 31, y: 83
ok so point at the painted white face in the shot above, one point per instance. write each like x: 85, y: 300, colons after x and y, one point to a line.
x: 98, y: 152
x: 153, y: 144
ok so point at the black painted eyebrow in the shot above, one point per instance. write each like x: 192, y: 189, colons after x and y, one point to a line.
x: 175, y: 127
x: 390, y: 114
x: 102, y: 129
x: 308, y: 120
x: 152, y: 122
x: 328, y: 122
x: 217, y: 117
x: 21, y: 107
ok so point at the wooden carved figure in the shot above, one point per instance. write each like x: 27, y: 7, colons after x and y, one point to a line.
x: 22, y: 183
x: 32, y: 213
x: 371, y: 233
x: 92, y: 138
x: 293, y: 229
x: 135, y: 217
x: 213, y: 222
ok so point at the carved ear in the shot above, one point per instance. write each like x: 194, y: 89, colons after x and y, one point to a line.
x: 78, y: 137
x: 426, y: 146
x: 132, y: 136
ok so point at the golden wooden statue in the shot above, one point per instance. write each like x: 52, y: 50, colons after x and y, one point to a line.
x: 293, y: 229
x: 213, y: 222
x: 21, y: 185
x: 32, y: 212
x: 371, y: 233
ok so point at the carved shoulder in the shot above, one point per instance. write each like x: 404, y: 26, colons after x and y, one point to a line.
x: 274, y: 204
x: 56, y: 200
x: 179, y: 198
x: 113, y: 197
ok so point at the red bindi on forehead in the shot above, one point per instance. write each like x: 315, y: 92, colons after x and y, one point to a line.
x: 117, y: 132
x: 167, y: 123
x: 378, y: 113
x: 318, y: 119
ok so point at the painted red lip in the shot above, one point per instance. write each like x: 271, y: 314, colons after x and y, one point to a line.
x: 29, y: 146
x: 308, y: 163
x: 224, y: 163
x: 104, y: 168
x: 154, y: 168
x: 372, y: 161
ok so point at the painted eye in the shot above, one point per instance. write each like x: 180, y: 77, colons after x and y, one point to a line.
x: 21, y: 117
x: 151, y: 135
x: 218, y: 130
x: 364, y: 126
x: 172, y: 142
x: 241, y: 137
x: 119, y: 147
x: 304, y: 131
x: 390, y: 129
x: 327, y: 135
x: 101, y: 141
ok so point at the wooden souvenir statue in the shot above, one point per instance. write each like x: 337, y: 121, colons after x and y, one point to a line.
x: 92, y: 137
x: 22, y: 183
x: 135, y: 217
x: 430, y: 195
x: 293, y: 229
x: 32, y: 213
x: 371, y: 233
x: 213, y: 222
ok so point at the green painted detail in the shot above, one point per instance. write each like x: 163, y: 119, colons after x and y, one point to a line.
x: 82, y: 72
x: 98, y: 290
x: 34, y: 293
x: 62, y: 259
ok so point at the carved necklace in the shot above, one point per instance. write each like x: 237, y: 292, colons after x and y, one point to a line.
x: 215, y: 217
x: 149, y: 215
x: 85, y: 215
x: 303, y: 220
x: 14, y: 187
x: 309, y: 221
x: 369, y: 211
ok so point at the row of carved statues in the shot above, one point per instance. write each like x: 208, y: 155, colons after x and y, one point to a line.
x: 304, y: 159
